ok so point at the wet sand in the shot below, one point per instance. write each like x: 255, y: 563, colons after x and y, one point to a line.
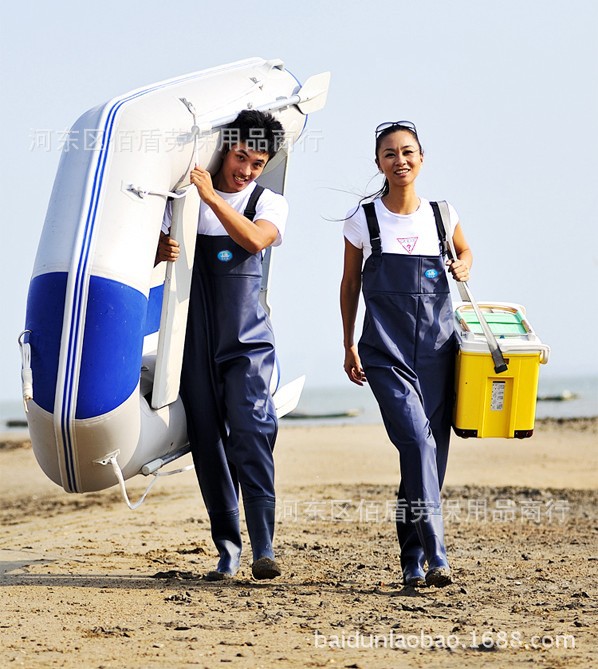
x: 85, y: 582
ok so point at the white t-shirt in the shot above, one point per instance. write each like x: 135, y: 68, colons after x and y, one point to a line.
x: 270, y: 207
x: 411, y: 234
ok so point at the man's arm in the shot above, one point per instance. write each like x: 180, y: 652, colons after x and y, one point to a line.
x: 253, y: 236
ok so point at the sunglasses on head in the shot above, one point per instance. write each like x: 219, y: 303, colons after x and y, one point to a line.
x: 407, y: 125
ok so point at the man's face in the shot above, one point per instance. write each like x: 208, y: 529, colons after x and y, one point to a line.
x: 240, y: 167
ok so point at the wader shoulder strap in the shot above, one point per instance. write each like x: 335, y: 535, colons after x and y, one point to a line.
x: 266, y: 255
x: 442, y: 214
x: 373, y: 228
x: 252, y: 202
x: 440, y: 228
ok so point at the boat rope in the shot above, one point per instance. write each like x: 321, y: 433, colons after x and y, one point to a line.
x: 195, y: 130
x: 111, y: 460
x: 26, y: 372
x: 142, y: 192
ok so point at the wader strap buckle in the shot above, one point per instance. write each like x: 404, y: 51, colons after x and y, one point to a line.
x: 444, y: 245
x: 373, y: 228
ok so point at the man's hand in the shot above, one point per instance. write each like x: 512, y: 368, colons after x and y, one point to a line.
x: 168, y: 249
x: 202, y: 180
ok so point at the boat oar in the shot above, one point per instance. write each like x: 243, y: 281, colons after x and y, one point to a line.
x: 309, y: 98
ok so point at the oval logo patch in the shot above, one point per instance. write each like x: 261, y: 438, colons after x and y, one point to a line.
x: 431, y: 273
x: 225, y: 256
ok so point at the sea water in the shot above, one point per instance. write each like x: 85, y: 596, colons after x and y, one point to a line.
x: 355, y: 405
x: 318, y: 405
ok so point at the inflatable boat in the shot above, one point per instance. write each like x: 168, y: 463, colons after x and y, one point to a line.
x: 104, y: 331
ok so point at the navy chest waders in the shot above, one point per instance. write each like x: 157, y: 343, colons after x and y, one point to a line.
x: 228, y: 363
x: 407, y: 350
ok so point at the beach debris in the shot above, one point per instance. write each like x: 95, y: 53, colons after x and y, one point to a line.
x: 299, y: 415
x: 175, y: 574
x: 184, y: 598
x: 101, y: 631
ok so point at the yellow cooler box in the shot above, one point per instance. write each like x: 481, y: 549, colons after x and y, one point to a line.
x: 488, y: 404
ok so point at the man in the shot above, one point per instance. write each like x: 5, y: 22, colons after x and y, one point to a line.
x: 229, y: 348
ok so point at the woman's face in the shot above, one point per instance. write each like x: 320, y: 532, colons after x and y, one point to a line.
x: 399, y: 158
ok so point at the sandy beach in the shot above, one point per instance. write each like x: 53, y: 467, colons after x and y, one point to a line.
x: 86, y: 582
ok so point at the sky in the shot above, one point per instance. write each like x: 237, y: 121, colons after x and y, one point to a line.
x: 504, y: 96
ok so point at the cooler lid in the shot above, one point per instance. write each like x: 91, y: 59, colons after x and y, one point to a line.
x: 504, y: 320
x: 507, y: 321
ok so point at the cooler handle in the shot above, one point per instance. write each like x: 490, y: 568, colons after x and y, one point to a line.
x: 542, y: 349
x: 441, y: 209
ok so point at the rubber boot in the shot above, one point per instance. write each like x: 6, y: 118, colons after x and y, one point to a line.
x: 430, y: 530
x: 412, y: 556
x: 226, y: 535
x: 412, y: 553
x: 260, y: 517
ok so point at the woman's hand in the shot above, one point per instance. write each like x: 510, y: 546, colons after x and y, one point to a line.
x: 168, y: 249
x: 459, y: 270
x: 460, y: 267
x: 353, y: 366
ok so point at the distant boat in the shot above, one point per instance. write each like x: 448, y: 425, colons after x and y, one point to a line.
x: 16, y: 422
x: 563, y: 396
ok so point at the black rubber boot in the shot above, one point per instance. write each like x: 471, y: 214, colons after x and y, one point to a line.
x: 412, y: 554
x: 227, y: 538
x: 413, y: 571
x: 260, y: 517
x: 430, y: 530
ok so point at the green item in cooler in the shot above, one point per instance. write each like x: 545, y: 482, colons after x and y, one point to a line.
x: 502, y: 323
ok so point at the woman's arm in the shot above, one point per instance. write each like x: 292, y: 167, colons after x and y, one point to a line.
x: 460, y: 268
x: 350, y: 289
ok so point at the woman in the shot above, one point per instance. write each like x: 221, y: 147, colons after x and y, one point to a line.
x: 407, y: 348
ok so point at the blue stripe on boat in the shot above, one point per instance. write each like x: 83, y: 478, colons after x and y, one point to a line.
x: 154, y: 309
x: 78, y: 290
x: 45, y: 306
x: 118, y: 316
x: 112, y: 346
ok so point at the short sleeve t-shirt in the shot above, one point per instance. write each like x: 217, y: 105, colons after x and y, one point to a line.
x: 410, y: 234
x: 270, y: 207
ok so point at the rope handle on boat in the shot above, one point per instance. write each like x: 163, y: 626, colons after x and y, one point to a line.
x: 110, y: 459
x: 500, y: 364
x: 195, y: 129
x: 143, y: 192
x: 26, y: 372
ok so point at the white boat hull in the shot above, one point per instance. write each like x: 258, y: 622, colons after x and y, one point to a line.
x: 102, y: 323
